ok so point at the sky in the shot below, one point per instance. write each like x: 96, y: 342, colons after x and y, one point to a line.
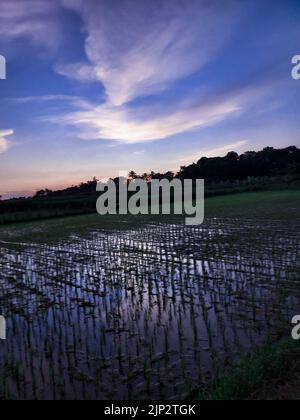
x: 95, y: 87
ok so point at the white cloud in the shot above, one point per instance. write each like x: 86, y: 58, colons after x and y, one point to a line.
x: 139, y: 48
x: 142, y: 124
x: 213, y: 152
x: 121, y: 124
x: 35, y: 20
x: 133, y: 49
x: 79, y: 71
x: 75, y: 101
x: 4, y: 144
x: 223, y: 150
x: 143, y: 48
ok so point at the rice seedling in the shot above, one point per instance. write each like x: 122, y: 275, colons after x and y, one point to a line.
x: 148, y: 312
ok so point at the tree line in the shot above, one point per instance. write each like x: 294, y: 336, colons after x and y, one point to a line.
x: 269, y: 162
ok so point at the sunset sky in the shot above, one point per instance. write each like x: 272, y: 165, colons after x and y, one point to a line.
x: 98, y: 86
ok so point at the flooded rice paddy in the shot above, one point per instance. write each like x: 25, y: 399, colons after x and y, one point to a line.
x: 147, y: 313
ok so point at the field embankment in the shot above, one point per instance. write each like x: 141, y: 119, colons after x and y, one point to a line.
x: 271, y: 373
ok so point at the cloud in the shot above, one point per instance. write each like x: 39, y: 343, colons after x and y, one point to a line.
x: 121, y: 124
x: 75, y: 101
x: 141, y: 124
x: 213, y: 152
x: 35, y: 20
x: 138, y: 49
x: 223, y: 150
x: 141, y: 48
x: 79, y: 71
x: 4, y: 144
x: 133, y: 49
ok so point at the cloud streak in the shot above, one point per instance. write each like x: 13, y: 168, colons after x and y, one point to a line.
x: 35, y: 20
x: 142, y: 124
x: 213, y: 152
x: 142, y: 48
x: 121, y: 124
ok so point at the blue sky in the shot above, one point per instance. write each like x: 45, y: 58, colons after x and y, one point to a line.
x: 94, y: 87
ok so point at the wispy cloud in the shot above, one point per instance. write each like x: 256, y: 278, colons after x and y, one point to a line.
x: 133, y: 49
x: 4, y: 144
x: 127, y: 126
x: 136, y: 49
x: 36, y: 20
x: 222, y: 150
x: 141, y: 48
x: 75, y: 101
x: 142, y: 124
x: 213, y: 152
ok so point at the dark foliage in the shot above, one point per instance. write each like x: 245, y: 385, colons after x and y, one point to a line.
x: 252, y: 171
x: 268, y: 162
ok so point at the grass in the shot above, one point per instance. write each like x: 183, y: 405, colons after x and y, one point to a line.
x: 21, y: 210
x: 267, y: 205
x: 271, y: 373
x: 271, y: 205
